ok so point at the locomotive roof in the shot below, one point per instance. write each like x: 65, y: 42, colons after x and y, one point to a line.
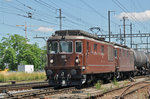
x: 83, y: 33
x: 76, y: 33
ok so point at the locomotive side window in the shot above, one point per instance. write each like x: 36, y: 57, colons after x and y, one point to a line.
x: 78, y: 46
x: 65, y: 46
x: 102, y: 49
x: 87, y: 49
x: 120, y: 52
x: 115, y: 52
x: 127, y: 53
x: 53, y: 47
x: 123, y: 52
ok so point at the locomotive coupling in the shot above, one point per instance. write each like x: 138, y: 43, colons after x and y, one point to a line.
x: 73, y: 72
x: 49, y: 72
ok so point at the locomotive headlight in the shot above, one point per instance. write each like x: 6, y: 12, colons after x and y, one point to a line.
x: 73, y: 72
x: 51, y: 61
x: 83, y: 68
x: 77, y: 61
x: 49, y: 72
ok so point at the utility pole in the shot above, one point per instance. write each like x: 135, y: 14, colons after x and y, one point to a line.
x: 124, y: 20
x: 24, y: 29
x: 120, y: 37
x: 60, y: 19
x: 147, y: 45
x: 109, y: 24
x: 131, y: 34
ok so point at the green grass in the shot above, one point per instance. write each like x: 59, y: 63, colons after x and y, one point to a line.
x: 115, y: 82
x: 21, y: 76
x: 98, y: 85
x: 105, y: 90
x: 2, y: 78
x: 88, y: 94
x: 125, y: 83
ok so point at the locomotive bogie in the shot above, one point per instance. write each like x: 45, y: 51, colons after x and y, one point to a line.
x: 68, y: 76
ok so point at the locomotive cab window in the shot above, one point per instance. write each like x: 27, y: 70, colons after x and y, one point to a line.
x: 53, y: 47
x: 78, y: 45
x: 65, y: 47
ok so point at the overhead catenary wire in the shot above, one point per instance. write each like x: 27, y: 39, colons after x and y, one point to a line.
x: 96, y: 11
x: 121, y: 6
x: 38, y: 14
x: 48, y: 6
x: 23, y: 10
x: 30, y: 18
x: 14, y: 7
x: 26, y: 5
x: 67, y: 14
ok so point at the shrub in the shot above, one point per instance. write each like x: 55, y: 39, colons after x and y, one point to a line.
x: 98, y: 85
x: 115, y: 81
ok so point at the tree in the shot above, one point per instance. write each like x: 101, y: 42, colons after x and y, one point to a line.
x: 14, y: 50
x: 10, y: 58
x: 2, y: 49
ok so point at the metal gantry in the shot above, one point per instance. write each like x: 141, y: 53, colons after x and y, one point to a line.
x: 127, y: 35
x: 141, y: 35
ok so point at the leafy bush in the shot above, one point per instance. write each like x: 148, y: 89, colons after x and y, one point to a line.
x: 98, y: 85
x: 115, y: 81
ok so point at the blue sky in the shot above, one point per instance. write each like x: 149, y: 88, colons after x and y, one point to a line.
x: 79, y: 14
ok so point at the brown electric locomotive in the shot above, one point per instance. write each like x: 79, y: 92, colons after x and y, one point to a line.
x: 75, y: 57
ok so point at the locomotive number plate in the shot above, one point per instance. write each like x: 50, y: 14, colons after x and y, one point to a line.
x: 63, y: 56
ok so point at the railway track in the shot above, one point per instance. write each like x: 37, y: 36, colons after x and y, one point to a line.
x: 117, y: 92
x: 6, y: 88
x: 36, y: 93
x: 134, y: 88
x: 122, y: 92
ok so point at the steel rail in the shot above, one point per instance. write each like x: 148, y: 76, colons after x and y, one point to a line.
x: 4, y: 88
x: 38, y: 93
x: 115, y: 89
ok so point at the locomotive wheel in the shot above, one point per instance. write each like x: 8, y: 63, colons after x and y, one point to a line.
x: 107, y: 78
x: 78, y: 86
x: 57, y: 87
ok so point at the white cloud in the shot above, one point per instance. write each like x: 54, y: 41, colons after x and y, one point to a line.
x: 141, y: 16
x: 45, y: 29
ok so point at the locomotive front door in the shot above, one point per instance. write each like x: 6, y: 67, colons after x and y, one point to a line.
x: 87, y: 53
x: 116, y: 59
